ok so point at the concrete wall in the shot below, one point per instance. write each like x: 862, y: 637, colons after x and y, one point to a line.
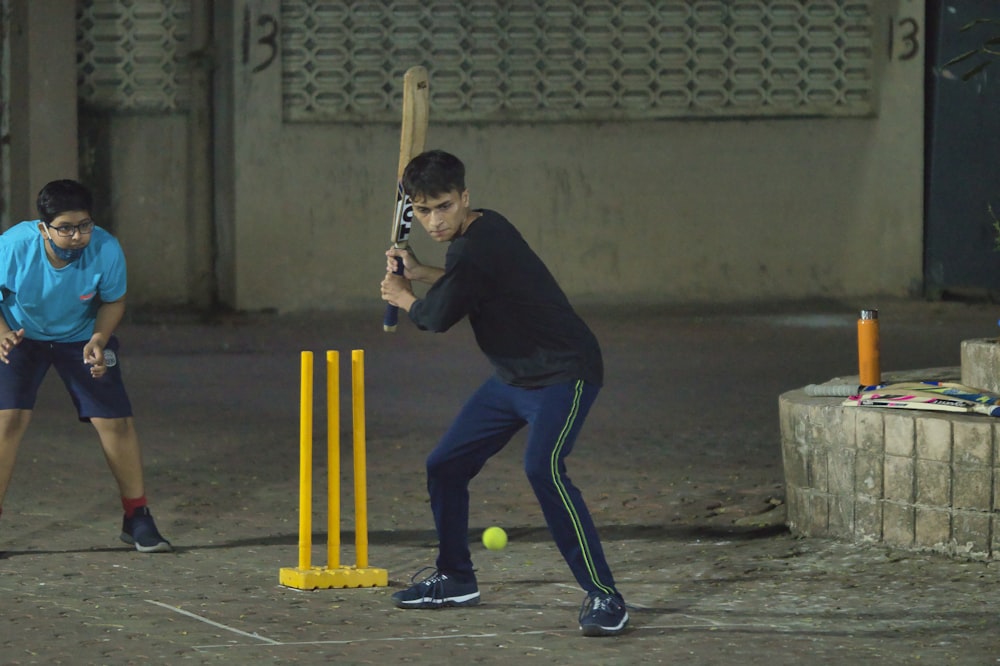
x: 228, y: 204
x: 651, y: 212
x: 41, y: 103
x: 152, y: 176
x: 146, y: 191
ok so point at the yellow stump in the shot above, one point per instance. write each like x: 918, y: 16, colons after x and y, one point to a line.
x: 360, y: 465
x: 333, y: 459
x: 306, y: 576
x: 305, y: 460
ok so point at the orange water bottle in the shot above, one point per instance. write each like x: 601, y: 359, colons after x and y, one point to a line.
x: 869, y: 367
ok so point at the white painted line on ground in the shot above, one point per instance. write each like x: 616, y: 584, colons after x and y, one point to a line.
x: 698, y: 623
x: 350, y: 641
x: 214, y: 624
x: 269, y: 641
x: 692, y: 622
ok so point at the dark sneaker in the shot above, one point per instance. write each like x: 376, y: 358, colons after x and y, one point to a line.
x: 140, y: 531
x: 603, y: 615
x: 437, y: 591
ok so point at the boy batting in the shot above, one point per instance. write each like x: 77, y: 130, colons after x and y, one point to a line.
x: 548, y: 373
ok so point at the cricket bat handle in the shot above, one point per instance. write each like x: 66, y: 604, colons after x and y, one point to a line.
x: 832, y: 390
x: 391, y: 317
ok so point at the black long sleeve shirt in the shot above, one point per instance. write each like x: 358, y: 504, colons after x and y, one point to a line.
x: 520, y: 316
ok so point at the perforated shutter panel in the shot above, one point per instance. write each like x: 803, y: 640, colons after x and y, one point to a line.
x: 556, y: 60
x: 131, y: 54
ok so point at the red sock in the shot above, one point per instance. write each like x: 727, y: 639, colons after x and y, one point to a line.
x: 130, y: 505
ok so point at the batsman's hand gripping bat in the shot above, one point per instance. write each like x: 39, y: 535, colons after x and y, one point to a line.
x: 416, y: 112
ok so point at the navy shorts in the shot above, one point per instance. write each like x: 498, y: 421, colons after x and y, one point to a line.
x: 30, y: 361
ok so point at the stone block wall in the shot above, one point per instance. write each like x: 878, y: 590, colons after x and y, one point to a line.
x: 911, y: 479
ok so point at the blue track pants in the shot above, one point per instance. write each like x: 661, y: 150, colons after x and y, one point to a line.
x: 487, y: 422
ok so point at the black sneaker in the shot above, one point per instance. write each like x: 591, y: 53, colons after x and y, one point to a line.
x: 437, y: 591
x: 140, y: 531
x: 603, y: 615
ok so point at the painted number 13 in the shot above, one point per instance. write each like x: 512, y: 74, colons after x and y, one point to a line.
x: 909, y: 39
x: 266, y: 33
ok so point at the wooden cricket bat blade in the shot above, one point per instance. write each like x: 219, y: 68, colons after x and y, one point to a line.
x: 412, y: 137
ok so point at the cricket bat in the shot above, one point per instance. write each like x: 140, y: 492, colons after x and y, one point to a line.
x: 416, y: 112
x: 921, y: 400
x: 928, y: 395
x: 949, y: 389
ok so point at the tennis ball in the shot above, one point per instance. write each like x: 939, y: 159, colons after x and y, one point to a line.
x: 494, y: 538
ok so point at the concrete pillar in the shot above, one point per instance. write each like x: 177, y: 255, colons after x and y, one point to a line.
x: 42, y: 100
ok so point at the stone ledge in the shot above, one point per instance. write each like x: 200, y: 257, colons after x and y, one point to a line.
x: 916, y: 480
x: 981, y: 364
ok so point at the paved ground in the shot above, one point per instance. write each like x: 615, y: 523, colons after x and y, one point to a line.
x: 680, y: 465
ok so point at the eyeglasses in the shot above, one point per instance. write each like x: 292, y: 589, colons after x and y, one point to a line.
x: 69, y: 230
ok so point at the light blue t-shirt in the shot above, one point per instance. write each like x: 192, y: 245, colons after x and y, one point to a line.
x: 57, y: 304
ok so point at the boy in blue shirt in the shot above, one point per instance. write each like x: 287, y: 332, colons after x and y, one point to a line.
x: 62, y: 285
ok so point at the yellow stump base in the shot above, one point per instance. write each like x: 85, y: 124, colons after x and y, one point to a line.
x: 315, y: 578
